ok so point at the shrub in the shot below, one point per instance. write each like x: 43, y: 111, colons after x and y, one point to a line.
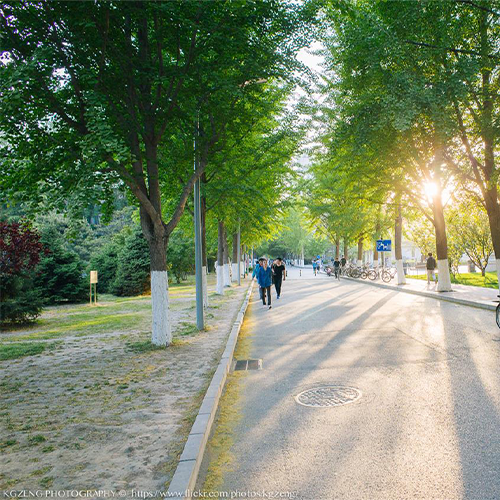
x: 20, y: 252
x: 60, y: 275
x: 105, y: 262
x: 180, y: 255
x: 133, y: 269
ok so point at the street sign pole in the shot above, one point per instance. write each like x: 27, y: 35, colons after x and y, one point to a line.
x: 239, y: 253
x: 200, y: 316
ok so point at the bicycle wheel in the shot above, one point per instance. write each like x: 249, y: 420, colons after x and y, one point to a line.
x: 497, y: 314
x: 363, y: 275
x: 386, y: 276
x: 372, y: 274
x: 355, y: 273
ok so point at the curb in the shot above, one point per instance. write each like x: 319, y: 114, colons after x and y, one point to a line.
x: 185, y: 476
x: 441, y: 296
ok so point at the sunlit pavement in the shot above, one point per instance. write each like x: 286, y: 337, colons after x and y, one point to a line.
x: 427, y: 425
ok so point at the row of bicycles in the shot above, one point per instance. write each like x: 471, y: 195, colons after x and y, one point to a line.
x: 363, y: 272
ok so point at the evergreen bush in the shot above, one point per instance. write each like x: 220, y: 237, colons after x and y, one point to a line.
x: 133, y: 269
x: 60, y: 275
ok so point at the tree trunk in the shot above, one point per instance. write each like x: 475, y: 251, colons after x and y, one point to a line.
x: 337, y: 249
x: 493, y: 211
x: 234, y: 265
x: 161, y: 329
x: 346, y: 248
x: 375, y: 251
x: 204, y: 268
x: 398, y: 246
x: 360, y: 251
x: 225, y: 257
x: 444, y: 281
x: 220, y: 259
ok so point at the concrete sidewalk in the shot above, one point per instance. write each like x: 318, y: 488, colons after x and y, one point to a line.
x: 475, y: 296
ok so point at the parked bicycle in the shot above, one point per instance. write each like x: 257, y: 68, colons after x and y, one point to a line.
x: 388, y: 274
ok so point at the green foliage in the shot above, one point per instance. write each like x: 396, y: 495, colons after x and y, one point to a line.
x: 105, y: 260
x: 292, y: 236
x: 180, y: 255
x: 419, y: 230
x: 133, y: 269
x: 470, y: 232
x: 20, y: 302
x: 60, y: 276
x: 74, y: 233
x: 489, y: 280
x: 17, y: 350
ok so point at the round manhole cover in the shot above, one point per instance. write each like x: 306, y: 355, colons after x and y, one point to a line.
x: 325, y: 397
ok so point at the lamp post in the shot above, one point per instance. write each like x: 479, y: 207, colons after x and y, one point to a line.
x: 200, y: 316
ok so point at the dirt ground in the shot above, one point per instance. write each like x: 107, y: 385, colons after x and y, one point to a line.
x: 99, y: 408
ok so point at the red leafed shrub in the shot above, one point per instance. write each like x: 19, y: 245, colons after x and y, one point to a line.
x: 20, y: 248
x: 20, y: 253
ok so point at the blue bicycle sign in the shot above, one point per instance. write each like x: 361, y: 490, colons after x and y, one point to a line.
x: 384, y: 245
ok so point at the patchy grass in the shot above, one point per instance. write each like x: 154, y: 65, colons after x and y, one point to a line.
x: 143, y: 346
x: 20, y: 349
x: 47, y: 482
x: 36, y: 440
x: 7, y: 444
x: 473, y: 279
x: 186, y: 328
x: 105, y: 385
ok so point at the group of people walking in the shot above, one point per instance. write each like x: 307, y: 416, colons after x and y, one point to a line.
x: 267, y: 275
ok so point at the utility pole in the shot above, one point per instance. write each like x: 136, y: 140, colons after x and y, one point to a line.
x: 239, y: 253
x: 200, y: 316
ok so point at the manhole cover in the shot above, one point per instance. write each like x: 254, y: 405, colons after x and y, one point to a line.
x: 325, y: 397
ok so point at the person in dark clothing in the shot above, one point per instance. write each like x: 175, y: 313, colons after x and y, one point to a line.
x: 343, y: 261
x: 265, y: 278
x: 279, y: 275
x: 255, y: 273
x: 336, y: 267
x: 431, y: 267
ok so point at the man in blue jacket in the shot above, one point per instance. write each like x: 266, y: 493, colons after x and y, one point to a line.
x: 265, y: 280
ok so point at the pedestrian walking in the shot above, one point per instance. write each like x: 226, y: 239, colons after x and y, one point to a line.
x: 255, y: 273
x: 256, y: 268
x: 431, y: 267
x: 314, y: 267
x: 264, y: 279
x: 336, y: 268
x: 279, y: 275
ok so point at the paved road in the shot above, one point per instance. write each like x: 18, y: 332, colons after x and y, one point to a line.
x: 427, y: 425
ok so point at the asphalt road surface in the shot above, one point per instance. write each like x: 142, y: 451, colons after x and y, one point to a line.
x: 426, y: 424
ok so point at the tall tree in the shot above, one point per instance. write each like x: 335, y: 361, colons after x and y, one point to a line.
x: 92, y: 92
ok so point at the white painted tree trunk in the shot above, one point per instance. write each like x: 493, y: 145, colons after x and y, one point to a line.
x: 205, y: 289
x: 162, y: 331
x: 219, y: 289
x: 359, y: 263
x: 444, y: 281
x: 234, y: 275
x: 227, y: 275
x: 400, y: 272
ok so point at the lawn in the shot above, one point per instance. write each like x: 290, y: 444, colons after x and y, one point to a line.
x: 473, y: 279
